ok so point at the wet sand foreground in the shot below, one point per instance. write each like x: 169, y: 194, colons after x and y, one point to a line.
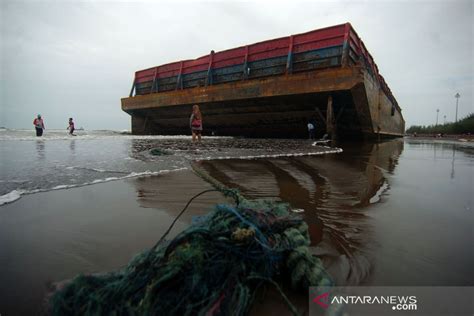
x: 395, y: 213
x: 56, y: 235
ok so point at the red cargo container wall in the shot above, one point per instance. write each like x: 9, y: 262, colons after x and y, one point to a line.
x: 271, y: 54
x: 328, y: 47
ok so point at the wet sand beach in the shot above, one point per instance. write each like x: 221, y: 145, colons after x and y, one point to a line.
x: 394, y: 213
x: 53, y: 236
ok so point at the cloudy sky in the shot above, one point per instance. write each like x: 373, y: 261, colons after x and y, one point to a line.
x: 77, y: 58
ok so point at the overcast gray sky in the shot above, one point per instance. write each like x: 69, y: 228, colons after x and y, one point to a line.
x: 77, y: 59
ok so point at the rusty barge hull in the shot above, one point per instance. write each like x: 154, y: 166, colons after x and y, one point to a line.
x: 326, y: 76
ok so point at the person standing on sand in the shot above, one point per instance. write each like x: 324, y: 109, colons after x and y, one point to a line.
x: 311, y: 130
x: 195, y: 122
x: 39, y: 125
x: 71, y: 127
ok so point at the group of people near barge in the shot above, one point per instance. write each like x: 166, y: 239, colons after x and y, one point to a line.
x: 195, y: 124
x: 39, y: 126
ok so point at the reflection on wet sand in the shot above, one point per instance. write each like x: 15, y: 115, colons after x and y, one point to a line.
x: 72, y: 146
x: 172, y: 197
x: 334, y: 191
x: 40, y: 149
x: 441, y: 147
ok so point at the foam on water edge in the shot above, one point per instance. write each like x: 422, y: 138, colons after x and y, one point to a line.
x: 328, y: 151
x: 16, y: 194
x: 10, y: 197
x: 28, y: 135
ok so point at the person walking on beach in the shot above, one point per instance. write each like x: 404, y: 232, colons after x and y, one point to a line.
x: 195, y: 122
x: 71, y: 127
x: 311, y: 130
x: 39, y: 125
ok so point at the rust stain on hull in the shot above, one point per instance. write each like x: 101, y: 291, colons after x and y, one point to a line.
x: 277, y: 106
x: 315, y: 82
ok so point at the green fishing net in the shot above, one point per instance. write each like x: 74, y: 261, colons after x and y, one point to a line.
x: 214, y: 267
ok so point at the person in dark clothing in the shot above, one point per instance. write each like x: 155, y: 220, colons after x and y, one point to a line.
x: 39, y: 125
x: 71, y: 127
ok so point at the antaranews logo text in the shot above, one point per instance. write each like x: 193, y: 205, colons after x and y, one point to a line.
x: 401, y: 303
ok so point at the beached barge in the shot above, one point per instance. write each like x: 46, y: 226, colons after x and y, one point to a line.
x: 271, y: 89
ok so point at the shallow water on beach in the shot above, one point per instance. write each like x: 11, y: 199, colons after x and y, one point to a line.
x: 58, y: 161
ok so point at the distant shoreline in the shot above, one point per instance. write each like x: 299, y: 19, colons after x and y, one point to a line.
x: 458, y: 138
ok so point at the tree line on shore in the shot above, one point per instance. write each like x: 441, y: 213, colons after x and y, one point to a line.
x: 463, y: 126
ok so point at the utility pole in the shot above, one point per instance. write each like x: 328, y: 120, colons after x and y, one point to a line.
x: 444, y: 120
x: 437, y: 112
x: 457, y: 96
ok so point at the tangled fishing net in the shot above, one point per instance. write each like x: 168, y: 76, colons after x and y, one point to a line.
x: 214, y: 267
